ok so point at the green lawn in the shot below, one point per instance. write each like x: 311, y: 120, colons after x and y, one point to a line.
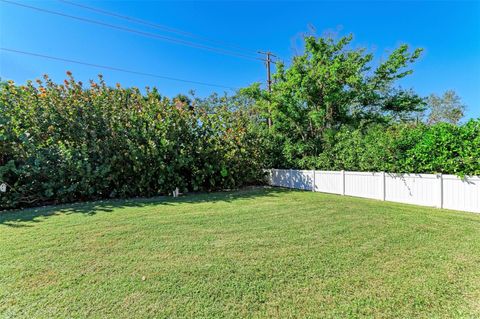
x: 252, y: 253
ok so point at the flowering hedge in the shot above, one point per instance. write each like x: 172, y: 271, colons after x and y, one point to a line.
x: 65, y: 142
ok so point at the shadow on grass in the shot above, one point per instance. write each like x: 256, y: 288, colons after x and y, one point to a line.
x: 23, y: 218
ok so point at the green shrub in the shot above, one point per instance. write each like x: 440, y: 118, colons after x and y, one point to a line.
x: 447, y: 148
x: 403, y: 148
x: 63, y: 143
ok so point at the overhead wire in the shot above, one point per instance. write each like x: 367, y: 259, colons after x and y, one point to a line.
x: 156, y: 25
x: 111, y: 68
x: 139, y: 32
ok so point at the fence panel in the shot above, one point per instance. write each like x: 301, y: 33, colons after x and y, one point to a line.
x: 364, y: 184
x: 461, y: 194
x: 299, y: 179
x: 419, y: 189
x: 281, y: 177
x: 445, y: 191
x: 328, y: 182
x: 302, y: 179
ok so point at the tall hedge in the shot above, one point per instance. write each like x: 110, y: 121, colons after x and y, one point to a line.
x: 402, y: 148
x: 67, y: 142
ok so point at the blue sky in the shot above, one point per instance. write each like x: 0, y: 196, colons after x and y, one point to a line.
x: 448, y: 31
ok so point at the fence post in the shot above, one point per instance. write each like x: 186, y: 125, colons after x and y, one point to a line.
x: 384, y: 190
x: 291, y: 178
x: 313, y: 179
x: 343, y: 182
x: 440, y: 190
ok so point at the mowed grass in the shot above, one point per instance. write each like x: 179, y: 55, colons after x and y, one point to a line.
x: 253, y: 253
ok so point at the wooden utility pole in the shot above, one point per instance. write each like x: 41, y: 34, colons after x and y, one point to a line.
x: 269, y: 56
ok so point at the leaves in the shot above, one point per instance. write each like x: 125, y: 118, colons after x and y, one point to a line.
x: 330, y: 85
x: 448, y: 108
x: 402, y: 148
x: 75, y: 143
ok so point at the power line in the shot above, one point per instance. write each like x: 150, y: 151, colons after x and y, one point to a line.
x: 155, y: 25
x: 146, y: 34
x: 116, y: 69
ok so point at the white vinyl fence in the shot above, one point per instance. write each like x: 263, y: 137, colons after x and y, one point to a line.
x: 442, y: 191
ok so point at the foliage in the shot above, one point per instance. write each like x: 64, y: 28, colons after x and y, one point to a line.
x: 402, y: 148
x: 447, y: 108
x: 62, y: 143
x: 332, y: 84
x: 331, y: 109
x: 447, y: 148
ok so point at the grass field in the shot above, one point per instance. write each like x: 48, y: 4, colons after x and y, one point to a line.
x: 251, y: 253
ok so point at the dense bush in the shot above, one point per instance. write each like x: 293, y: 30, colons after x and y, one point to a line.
x: 62, y: 143
x: 402, y: 148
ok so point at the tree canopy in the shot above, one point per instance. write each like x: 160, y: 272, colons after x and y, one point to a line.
x: 447, y: 108
x: 332, y: 84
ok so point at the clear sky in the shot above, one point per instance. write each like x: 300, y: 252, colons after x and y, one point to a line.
x: 448, y: 31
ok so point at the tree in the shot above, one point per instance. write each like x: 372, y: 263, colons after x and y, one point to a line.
x: 332, y: 84
x: 447, y: 108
